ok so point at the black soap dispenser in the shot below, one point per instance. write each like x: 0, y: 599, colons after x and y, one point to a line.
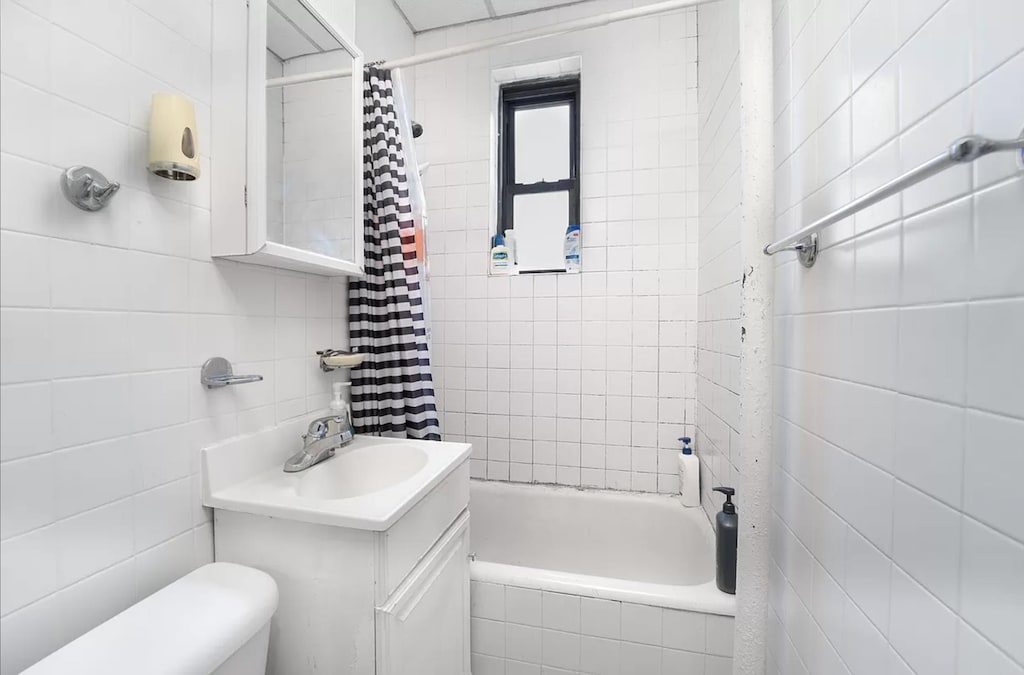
x: 727, y: 526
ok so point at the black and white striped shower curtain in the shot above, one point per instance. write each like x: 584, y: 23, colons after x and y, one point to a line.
x: 392, y: 391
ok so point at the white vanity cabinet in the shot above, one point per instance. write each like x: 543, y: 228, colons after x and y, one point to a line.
x: 393, y: 601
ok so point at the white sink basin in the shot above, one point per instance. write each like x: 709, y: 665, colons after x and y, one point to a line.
x: 369, y: 484
x: 361, y: 470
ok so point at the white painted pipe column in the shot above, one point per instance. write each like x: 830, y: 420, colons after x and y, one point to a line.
x: 757, y: 225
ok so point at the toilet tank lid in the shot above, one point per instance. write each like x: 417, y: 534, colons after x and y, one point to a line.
x: 190, y: 626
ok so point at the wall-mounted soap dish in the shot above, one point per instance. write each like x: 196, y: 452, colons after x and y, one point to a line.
x: 217, y: 372
x: 332, y: 359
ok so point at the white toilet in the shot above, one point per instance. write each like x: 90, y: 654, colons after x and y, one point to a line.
x: 215, y: 620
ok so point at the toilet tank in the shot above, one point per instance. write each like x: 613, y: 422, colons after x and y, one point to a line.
x: 213, y: 620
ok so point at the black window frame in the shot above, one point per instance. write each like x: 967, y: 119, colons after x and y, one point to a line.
x: 525, y: 95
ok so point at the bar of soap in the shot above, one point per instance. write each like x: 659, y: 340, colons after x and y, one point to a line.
x: 344, y: 360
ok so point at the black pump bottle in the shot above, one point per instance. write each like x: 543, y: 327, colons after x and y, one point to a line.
x: 727, y: 525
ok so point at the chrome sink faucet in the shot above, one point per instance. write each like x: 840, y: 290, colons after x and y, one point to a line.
x: 324, y: 436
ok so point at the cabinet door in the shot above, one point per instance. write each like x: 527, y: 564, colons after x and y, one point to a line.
x: 423, y: 628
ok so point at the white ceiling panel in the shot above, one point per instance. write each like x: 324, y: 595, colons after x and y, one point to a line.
x: 284, y: 39
x: 506, y: 7
x: 292, y: 31
x: 427, y: 14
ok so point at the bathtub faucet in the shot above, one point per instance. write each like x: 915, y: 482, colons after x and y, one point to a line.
x: 324, y: 436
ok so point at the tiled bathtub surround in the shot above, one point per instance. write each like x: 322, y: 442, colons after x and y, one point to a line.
x: 575, y: 379
x: 106, y: 318
x: 524, y: 631
x: 898, y: 545
x: 719, y: 270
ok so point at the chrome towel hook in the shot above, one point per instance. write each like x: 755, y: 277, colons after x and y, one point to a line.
x: 87, y: 188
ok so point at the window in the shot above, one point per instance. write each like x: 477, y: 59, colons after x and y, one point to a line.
x: 538, y: 168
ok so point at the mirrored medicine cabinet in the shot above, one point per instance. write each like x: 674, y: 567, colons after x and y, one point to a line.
x: 287, y: 183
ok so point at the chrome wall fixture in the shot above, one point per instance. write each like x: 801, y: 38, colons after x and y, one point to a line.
x: 333, y: 359
x: 217, y: 372
x: 87, y: 188
x: 963, y: 151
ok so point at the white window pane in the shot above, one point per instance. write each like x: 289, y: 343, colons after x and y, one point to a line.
x: 540, y: 221
x: 542, y: 144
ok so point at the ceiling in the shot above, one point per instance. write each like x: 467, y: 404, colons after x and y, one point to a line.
x: 292, y: 31
x: 427, y: 14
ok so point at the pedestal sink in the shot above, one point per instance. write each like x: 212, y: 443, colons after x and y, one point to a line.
x: 360, y: 470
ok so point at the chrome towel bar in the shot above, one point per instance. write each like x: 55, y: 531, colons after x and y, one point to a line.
x: 963, y: 151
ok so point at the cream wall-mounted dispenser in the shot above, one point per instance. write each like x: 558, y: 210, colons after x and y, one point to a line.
x: 173, y: 142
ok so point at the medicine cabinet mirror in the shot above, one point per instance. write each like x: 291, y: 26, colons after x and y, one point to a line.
x: 287, y: 183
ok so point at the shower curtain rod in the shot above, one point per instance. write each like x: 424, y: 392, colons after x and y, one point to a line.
x: 502, y: 41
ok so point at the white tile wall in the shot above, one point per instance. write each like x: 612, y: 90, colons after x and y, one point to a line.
x: 524, y: 630
x: 719, y: 274
x: 106, y: 318
x: 576, y: 379
x: 896, y: 545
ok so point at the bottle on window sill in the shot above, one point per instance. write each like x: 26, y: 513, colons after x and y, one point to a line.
x: 512, y: 244
x: 572, y: 248
x: 501, y: 262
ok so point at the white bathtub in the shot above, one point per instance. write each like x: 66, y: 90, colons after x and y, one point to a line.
x: 588, y: 581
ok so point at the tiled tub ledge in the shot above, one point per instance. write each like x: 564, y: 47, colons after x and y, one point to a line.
x: 525, y: 631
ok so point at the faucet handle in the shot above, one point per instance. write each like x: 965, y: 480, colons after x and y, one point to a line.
x: 318, y: 429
